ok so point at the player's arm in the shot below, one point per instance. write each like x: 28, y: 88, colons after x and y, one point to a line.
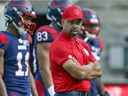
x: 97, y: 46
x: 3, y: 91
x: 44, y: 39
x: 64, y: 57
x: 33, y: 86
x: 78, y: 71
x: 43, y: 59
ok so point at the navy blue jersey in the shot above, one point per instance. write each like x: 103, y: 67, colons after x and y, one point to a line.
x: 33, y: 56
x: 16, y: 64
x: 96, y: 46
x: 45, y: 34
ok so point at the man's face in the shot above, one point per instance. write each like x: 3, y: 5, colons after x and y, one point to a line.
x: 72, y: 27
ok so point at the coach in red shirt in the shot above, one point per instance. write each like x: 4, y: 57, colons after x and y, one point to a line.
x: 72, y: 63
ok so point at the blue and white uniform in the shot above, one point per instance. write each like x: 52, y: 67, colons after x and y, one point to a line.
x: 16, y: 63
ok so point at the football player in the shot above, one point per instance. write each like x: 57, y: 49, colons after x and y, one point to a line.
x: 90, y: 35
x: 42, y: 39
x: 14, y: 50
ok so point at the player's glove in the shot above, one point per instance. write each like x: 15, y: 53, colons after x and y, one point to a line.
x: 51, y: 91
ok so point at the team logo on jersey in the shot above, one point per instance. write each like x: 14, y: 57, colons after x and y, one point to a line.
x: 42, y: 36
x: 23, y: 44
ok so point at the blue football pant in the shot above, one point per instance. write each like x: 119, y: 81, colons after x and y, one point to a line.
x: 94, y: 89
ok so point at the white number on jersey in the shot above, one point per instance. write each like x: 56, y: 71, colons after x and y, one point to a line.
x: 20, y: 71
x: 22, y: 60
x: 42, y: 36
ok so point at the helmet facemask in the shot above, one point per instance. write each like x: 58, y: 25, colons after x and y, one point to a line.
x: 54, y: 15
x: 55, y: 11
x: 20, y: 14
x: 91, y: 25
x: 28, y: 24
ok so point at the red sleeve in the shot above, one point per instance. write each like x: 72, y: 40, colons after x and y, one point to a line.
x: 88, y: 47
x: 46, y: 34
x: 3, y: 40
x: 60, y: 54
x: 92, y: 58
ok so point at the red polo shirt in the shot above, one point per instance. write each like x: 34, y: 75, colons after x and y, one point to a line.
x: 61, y: 50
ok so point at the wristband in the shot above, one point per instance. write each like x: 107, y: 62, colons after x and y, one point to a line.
x: 51, y: 90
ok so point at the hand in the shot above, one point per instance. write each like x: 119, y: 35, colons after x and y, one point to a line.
x: 51, y: 91
x: 93, y: 66
x: 89, y: 68
x: 96, y: 71
x: 93, y: 70
x: 97, y: 67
